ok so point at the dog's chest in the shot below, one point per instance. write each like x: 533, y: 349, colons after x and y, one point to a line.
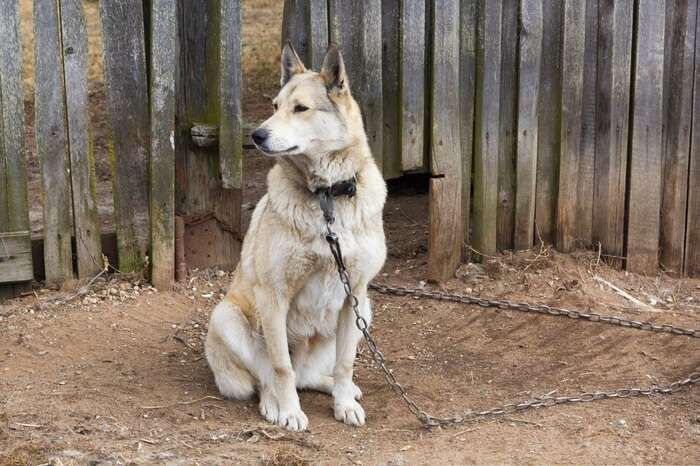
x: 315, y: 309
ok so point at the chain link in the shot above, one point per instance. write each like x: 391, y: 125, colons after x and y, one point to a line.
x: 537, y: 402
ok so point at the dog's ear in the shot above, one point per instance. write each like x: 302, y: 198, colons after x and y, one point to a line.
x: 291, y: 63
x: 333, y: 71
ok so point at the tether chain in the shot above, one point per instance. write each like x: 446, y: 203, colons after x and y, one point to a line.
x: 538, y: 402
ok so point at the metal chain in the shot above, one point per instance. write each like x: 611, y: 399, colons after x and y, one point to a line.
x: 537, y: 402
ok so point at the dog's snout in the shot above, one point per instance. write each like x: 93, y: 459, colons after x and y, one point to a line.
x: 260, y: 135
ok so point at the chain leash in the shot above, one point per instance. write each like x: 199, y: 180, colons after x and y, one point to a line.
x: 430, y: 420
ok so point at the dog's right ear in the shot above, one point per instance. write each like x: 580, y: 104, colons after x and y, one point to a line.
x: 333, y: 71
x: 291, y: 63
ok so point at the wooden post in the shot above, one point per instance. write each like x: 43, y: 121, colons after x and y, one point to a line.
x: 486, y: 125
x: 468, y: 20
x: 692, y: 228
x: 162, y: 162
x: 445, y: 247
x: 230, y: 85
x: 646, y: 152
x: 390, y: 88
x: 678, y: 116
x: 527, y: 124
x: 614, y: 63
x: 549, y: 110
x: 52, y: 142
x: 127, y: 104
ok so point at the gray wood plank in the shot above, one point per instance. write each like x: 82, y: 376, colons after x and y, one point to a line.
x: 549, y: 109
x: 486, y: 127
x: 412, y: 82
x: 230, y: 86
x: 126, y: 87
x: 82, y: 158
x: 162, y: 161
x: 295, y: 27
x: 646, y: 152
x: 571, y: 114
x: 318, y: 33
x: 614, y: 68
x: 692, y: 239
x: 529, y: 67
x: 679, y: 61
x: 445, y: 244
x: 390, y: 89
x: 15, y: 257
x: 52, y: 142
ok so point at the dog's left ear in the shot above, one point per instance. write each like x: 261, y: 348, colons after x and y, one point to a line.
x: 333, y: 71
x: 291, y: 64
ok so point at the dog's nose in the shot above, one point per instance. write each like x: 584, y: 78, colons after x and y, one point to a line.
x: 259, y: 135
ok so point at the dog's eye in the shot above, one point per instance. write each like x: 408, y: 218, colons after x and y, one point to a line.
x: 300, y: 108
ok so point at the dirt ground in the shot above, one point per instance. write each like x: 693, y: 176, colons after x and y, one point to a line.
x: 112, y: 372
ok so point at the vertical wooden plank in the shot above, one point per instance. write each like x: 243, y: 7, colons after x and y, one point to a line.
x: 445, y: 246
x: 295, y: 27
x: 692, y: 228
x: 529, y: 67
x: 571, y: 113
x: 318, y: 33
x: 549, y: 110
x: 126, y: 87
x: 162, y: 160
x: 506, y: 146
x: 468, y: 21
x: 52, y: 142
x: 390, y: 88
x: 82, y: 158
x: 678, y: 115
x: 646, y: 152
x: 230, y: 113
x: 614, y: 63
x: 412, y: 66
x: 357, y: 30
x: 486, y: 126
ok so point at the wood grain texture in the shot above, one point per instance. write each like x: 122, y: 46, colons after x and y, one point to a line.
x: 162, y: 157
x: 507, y: 130
x: 468, y: 20
x: 612, y: 125
x: 571, y: 115
x: 679, y: 60
x: 126, y: 87
x: 529, y: 67
x: 356, y: 27
x: 486, y: 127
x: 318, y: 33
x: 295, y: 27
x: 646, y: 151
x: 15, y: 257
x: 549, y: 132
x: 230, y: 87
x: 412, y: 82
x: 692, y: 239
x: 52, y: 142
x: 390, y: 89
x: 82, y: 158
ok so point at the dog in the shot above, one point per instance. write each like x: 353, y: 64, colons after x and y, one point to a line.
x: 286, y: 323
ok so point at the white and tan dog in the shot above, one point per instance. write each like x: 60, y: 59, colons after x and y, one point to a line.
x: 285, y: 323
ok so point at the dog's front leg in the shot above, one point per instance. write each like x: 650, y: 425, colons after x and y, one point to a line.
x: 345, y: 392
x: 287, y: 413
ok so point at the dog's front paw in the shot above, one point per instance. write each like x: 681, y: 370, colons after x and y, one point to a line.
x: 294, y: 420
x: 269, y: 409
x: 350, y: 412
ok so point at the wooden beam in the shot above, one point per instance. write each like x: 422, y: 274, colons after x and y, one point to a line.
x: 230, y: 87
x: 390, y: 88
x: 692, y: 229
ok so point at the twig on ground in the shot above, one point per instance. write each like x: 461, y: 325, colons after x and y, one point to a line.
x: 625, y: 295
x: 177, y: 337
x: 522, y: 421
x: 182, y: 403
x: 458, y: 434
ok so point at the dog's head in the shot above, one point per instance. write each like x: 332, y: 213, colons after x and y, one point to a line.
x: 314, y: 113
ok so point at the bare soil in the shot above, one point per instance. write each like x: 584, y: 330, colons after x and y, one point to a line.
x: 113, y: 372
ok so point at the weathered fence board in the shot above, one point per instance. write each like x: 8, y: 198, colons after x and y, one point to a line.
x: 486, y: 127
x: 614, y: 62
x: 678, y: 115
x: 230, y: 112
x: 390, y: 89
x: 52, y: 142
x: 126, y: 87
x: 692, y: 241
x: 305, y: 25
x: 468, y: 20
x: 15, y: 257
x: 530, y: 62
x: 356, y: 27
x: 549, y: 111
x: 445, y: 243
x: 507, y: 124
x: 412, y: 69
x: 82, y: 158
x: 646, y: 151
x: 571, y: 117
x: 162, y: 158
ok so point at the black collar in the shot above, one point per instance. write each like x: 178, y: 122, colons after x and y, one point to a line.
x: 326, y: 195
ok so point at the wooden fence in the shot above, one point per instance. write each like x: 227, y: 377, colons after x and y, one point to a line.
x: 566, y: 121
x: 172, y: 81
